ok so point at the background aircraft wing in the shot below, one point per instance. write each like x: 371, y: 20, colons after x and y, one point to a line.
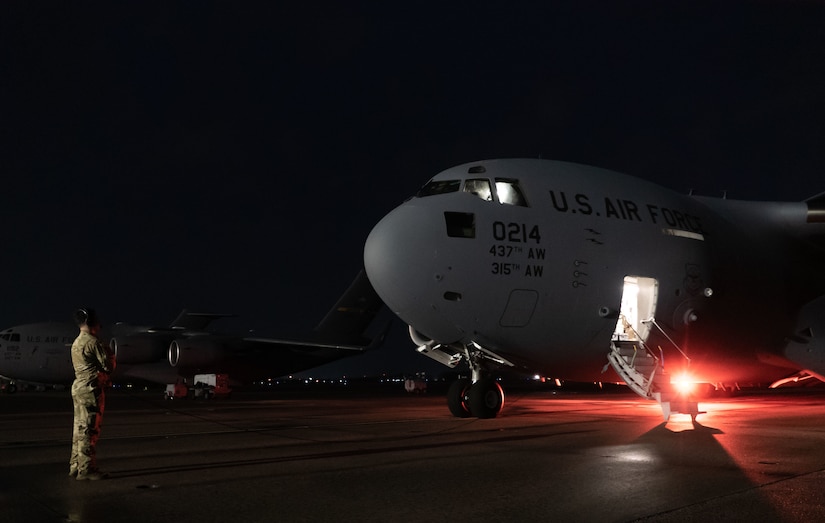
x: 375, y: 342
x: 196, y: 321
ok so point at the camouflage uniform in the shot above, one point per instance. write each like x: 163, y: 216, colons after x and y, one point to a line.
x: 92, y: 364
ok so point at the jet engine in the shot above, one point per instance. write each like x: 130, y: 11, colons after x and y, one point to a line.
x: 135, y: 348
x: 195, y: 352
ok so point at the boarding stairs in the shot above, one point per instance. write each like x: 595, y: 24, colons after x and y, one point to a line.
x: 644, y: 373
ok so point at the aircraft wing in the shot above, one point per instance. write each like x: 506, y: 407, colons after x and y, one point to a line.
x: 196, y: 321
x: 309, y: 345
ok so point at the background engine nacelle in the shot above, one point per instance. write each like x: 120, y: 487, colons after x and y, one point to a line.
x: 137, y: 349
x: 196, y: 352
x: 806, y: 347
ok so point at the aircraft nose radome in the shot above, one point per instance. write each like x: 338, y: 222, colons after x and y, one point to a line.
x: 400, y: 257
x: 393, y: 254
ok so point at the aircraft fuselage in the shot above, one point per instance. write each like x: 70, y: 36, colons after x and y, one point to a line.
x: 539, y: 277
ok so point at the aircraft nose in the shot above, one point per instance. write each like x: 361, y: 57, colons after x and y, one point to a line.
x: 396, y: 254
x: 401, y: 258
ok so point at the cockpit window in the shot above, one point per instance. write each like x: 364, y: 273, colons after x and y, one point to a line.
x: 509, y: 192
x: 506, y: 190
x: 438, y: 187
x: 480, y: 187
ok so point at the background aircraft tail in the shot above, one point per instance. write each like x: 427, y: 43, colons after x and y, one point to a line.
x: 352, y: 315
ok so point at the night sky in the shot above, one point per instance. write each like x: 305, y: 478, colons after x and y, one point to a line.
x: 233, y: 156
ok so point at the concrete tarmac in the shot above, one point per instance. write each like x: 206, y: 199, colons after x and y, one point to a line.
x: 350, y: 456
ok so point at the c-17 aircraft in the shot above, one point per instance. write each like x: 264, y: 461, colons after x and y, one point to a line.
x: 570, y: 270
x: 39, y: 352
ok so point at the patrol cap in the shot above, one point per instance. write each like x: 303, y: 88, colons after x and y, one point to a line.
x: 86, y: 316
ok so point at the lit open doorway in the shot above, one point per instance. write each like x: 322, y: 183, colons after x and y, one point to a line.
x: 638, y: 305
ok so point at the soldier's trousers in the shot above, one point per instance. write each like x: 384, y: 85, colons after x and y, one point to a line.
x: 88, y: 414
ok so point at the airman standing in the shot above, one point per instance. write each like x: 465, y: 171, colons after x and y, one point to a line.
x: 92, y: 366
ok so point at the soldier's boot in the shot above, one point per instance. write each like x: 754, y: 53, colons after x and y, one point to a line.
x: 91, y: 475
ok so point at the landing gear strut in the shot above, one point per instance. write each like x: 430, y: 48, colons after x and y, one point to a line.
x: 481, y: 397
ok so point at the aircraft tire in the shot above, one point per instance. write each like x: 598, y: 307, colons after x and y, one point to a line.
x: 486, y: 398
x: 11, y: 388
x: 457, y: 398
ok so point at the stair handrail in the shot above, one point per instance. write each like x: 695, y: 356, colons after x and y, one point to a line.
x: 650, y: 381
x: 653, y: 321
x: 641, y: 341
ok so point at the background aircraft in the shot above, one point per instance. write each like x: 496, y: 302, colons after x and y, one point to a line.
x: 38, y: 352
x: 567, y: 270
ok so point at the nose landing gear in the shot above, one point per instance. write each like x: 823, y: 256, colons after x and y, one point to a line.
x: 482, y: 399
x: 486, y: 398
x: 458, y: 400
